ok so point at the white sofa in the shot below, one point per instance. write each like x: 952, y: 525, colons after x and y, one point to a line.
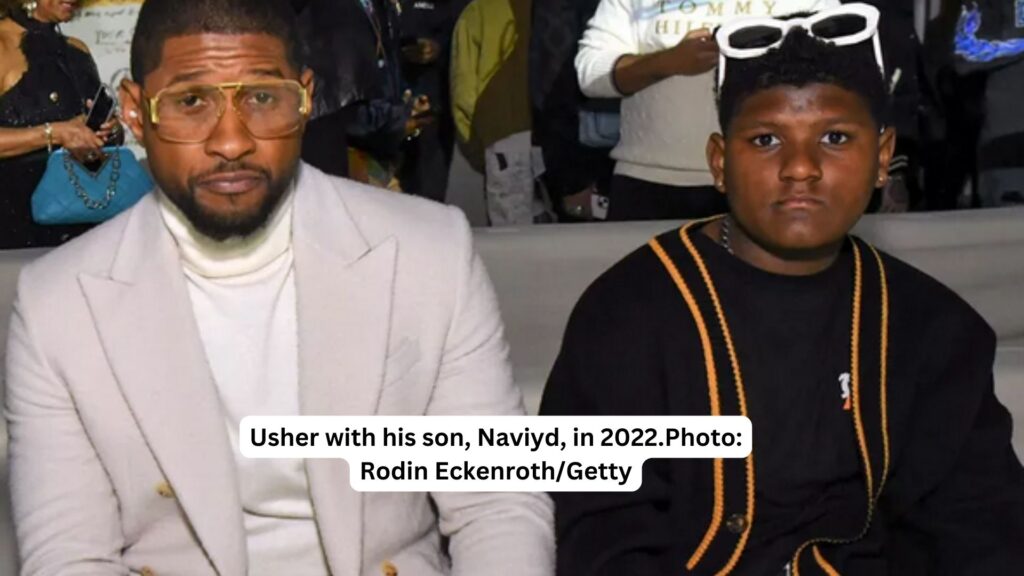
x: 540, y: 271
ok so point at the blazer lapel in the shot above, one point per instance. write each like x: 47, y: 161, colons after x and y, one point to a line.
x: 147, y: 328
x: 344, y: 293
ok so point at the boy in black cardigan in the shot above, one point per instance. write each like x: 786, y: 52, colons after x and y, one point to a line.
x: 879, y: 446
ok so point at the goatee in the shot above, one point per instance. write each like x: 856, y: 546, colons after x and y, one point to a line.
x: 222, y: 227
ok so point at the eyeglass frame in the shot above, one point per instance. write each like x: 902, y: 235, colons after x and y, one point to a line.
x: 304, y: 108
x: 870, y: 14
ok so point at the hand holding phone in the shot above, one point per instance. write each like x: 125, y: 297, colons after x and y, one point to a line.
x: 75, y: 137
x: 102, y: 109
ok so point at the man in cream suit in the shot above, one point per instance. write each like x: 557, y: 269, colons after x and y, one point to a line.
x: 248, y: 284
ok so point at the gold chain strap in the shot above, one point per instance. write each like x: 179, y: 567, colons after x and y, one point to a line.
x: 83, y: 195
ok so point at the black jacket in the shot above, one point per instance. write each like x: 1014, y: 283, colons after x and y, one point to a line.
x: 942, y: 491
x: 556, y: 99
x: 340, y: 46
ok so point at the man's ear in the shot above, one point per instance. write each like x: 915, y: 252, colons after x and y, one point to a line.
x: 716, y: 159
x: 131, y: 97
x: 886, y: 150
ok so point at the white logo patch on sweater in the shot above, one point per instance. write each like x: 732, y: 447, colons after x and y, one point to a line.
x: 844, y: 390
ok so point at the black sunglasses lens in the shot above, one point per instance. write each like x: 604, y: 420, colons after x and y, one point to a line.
x: 839, y: 26
x: 755, y: 37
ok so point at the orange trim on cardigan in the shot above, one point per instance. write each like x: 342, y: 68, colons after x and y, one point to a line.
x: 717, y: 512
x: 825, y: 566
x: 709, y: 365
x: 883, y: 375
x: 858, y: 278
x: 858, y: 281
x: 855, y: 377
x: 738, y: 377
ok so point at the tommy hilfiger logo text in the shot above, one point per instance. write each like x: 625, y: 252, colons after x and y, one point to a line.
x: 708, y: 8
x: 678, y: 17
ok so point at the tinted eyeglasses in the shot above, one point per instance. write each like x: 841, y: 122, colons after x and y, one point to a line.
x: 268, y: 109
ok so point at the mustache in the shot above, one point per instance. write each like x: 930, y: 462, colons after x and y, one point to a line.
x: 228, y: 168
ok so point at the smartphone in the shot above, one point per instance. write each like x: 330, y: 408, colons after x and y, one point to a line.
x: 102, y: 109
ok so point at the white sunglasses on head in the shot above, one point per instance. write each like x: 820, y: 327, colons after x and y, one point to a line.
x: 844, y: 25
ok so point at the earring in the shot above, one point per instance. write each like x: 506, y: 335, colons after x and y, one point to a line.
x: 133, y: 114
x: 30, y: 8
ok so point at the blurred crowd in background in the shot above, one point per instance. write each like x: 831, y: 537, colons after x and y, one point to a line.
x: 528, y: 93
x: 402, y: 83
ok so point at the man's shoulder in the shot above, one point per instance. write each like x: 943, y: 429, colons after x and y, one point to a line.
x: 927, y: 304
x: 636, y: 288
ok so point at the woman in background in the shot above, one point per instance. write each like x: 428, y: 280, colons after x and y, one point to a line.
x: 46, y: 80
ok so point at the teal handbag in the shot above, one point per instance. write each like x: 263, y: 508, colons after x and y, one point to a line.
x: 70, y: 193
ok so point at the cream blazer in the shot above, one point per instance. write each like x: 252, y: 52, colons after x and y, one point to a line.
x: 120, y: 463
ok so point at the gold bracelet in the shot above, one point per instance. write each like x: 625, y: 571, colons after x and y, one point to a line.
x: 48, y: 130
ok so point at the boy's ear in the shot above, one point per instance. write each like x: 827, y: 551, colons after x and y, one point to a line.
x: 130, y: 95
x: 715, y: 152
x: 886, y: 150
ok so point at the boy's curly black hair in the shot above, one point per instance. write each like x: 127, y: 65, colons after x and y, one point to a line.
x: 799, y: 61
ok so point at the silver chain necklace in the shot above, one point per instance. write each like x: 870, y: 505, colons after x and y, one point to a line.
x: 723, y: 235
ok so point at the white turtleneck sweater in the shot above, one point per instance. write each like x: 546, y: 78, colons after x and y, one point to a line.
x: 243, y: 297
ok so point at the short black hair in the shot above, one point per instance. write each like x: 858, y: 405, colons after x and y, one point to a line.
x: 162, y: 19
x: 799, y: 61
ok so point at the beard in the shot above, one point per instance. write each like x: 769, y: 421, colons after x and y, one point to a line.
x: 219, y: 226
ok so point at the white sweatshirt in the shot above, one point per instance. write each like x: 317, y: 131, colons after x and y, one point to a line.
x: 665, y: 127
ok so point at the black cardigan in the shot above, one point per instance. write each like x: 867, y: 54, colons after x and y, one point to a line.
x: 947, y: 487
